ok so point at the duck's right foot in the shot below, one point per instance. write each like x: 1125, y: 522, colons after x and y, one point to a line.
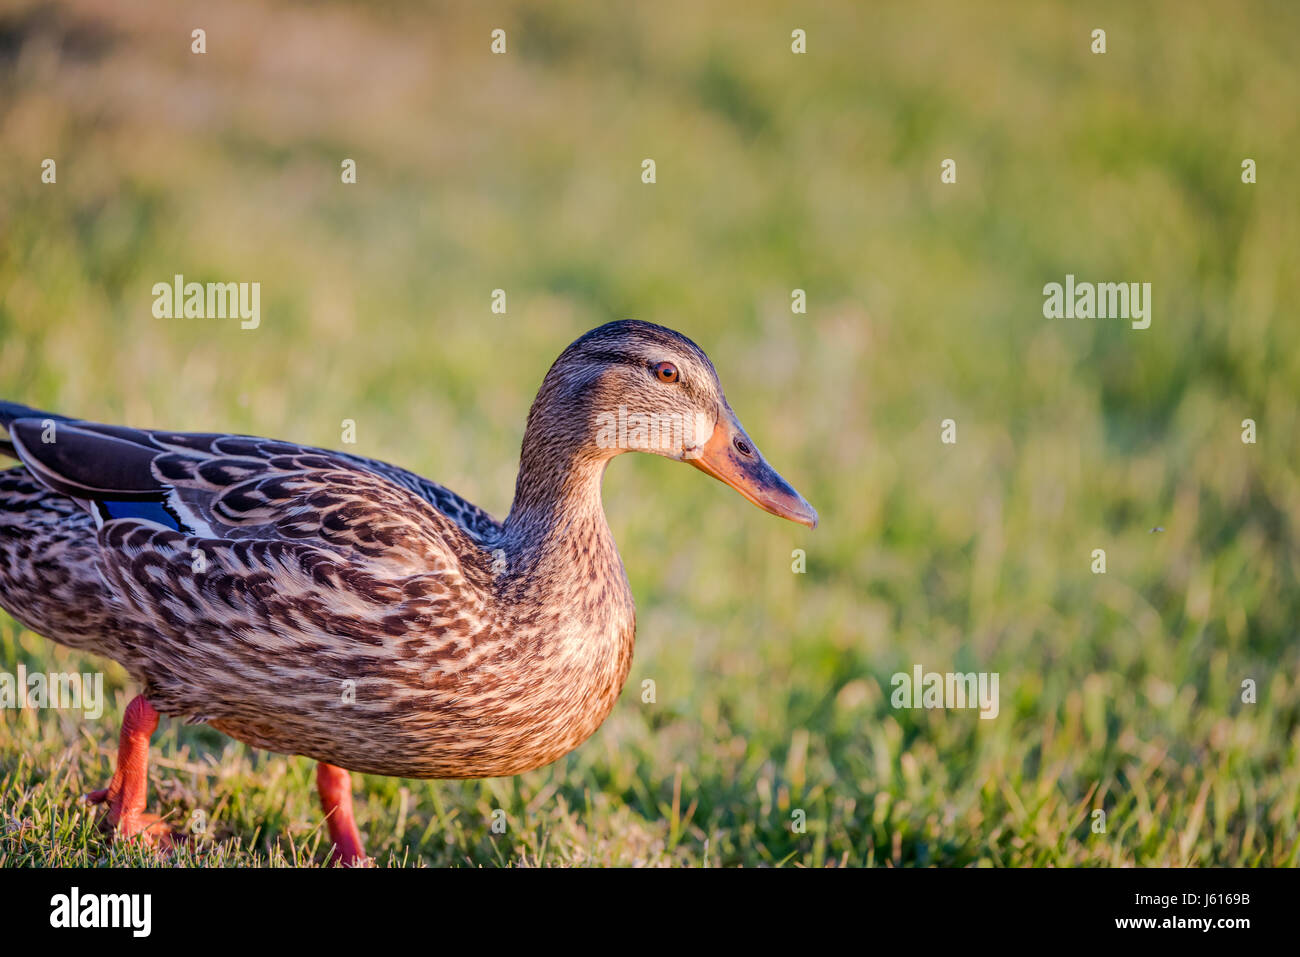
x: 125, y: 794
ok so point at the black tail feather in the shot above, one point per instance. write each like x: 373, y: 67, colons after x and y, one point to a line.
x: 9, y: 411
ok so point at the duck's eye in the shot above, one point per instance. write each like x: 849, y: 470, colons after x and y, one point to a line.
x: 665, y: 372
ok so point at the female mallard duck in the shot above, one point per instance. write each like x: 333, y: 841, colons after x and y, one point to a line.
x: 318, y: 603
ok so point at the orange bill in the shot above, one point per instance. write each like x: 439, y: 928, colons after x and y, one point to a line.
x: 730, y: 456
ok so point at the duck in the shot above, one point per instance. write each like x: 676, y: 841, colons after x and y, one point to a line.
x: 318, y: 603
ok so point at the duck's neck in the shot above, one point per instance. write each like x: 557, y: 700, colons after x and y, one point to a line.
x: 563, y: 597
x: 557, y: 522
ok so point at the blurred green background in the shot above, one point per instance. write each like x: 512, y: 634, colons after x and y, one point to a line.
x: 776, y: 171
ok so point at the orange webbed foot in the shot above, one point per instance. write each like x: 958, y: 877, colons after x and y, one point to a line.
x: 127, y: 823
x: 125, y: 795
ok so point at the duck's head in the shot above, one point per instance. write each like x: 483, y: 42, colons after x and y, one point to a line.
x: 632, y: 386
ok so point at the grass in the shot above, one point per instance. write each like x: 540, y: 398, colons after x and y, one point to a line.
x: 1119, y: 692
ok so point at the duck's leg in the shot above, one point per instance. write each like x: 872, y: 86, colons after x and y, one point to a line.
x: 335, y: 787
x: 125, y: 794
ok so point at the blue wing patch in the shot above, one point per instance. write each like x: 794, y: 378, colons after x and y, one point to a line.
x: 147, y: 511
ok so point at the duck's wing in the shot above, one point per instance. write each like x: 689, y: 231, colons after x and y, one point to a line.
x: 105, y: 463
x: 249, y: 579
x: 13, y: 410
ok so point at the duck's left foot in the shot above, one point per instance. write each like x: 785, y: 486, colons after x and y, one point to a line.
x: 335, y: 787
x: 125, y: 794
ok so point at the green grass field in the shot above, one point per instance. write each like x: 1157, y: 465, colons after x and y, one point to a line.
x: 1119, y: 691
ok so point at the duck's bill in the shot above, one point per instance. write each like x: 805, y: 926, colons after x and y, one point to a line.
x: 730, y: 456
